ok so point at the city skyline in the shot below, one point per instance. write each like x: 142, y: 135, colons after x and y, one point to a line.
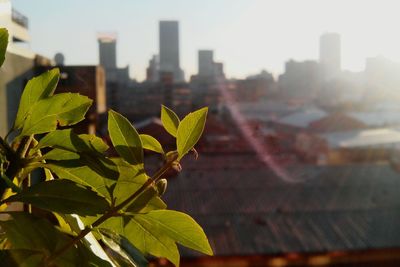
x: 245, y: 35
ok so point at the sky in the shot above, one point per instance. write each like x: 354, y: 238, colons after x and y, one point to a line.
x: 246, y: 35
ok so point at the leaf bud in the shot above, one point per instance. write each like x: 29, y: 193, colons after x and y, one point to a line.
x: 171, y: 155
x: 161, y: 186
x: 177, y: 166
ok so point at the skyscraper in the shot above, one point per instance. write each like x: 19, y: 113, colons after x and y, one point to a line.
x: 330, y: 54
x: 152, y: 71
x: 169, y: 50
x: 206, y: 63
x: 107, y: 50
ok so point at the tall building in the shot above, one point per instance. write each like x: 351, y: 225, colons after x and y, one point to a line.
x: 206, y: 63
x: 108, y: 50
x: 301, y: 80
x: 117, y: 79
x: 152, y: 71
x: 330, y: 54
x: 169, y: 50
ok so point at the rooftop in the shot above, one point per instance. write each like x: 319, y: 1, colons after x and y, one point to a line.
x: 246, y: 209
x: 303, y: 118
x: 382, y: 137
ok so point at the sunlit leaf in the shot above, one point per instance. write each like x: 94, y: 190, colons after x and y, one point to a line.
x: 150, y: 143
x: 62, y: 196
x: 61, y: 109
x: 99, y: 180
x: 142, y: 200
x: 156, y: 203
x: 145, y: 237
x: 131, y: 178
x: 125, y: 138
x: 179, y: 227
x: 27, y: 232
x: 36, y: 89
x: 190, y: 130
x: 3, y: 44
x: 128, y: 254
x: 60, y: 154
x: 68, y: 140
x: 169, y: 120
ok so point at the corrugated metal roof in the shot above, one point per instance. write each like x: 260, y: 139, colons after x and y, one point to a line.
x: 249, y: 211
x: 377, y: 118
x: 303, y: 118
x: 382, y: 137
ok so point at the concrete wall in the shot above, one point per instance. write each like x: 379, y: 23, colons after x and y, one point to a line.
x: 14, y: 74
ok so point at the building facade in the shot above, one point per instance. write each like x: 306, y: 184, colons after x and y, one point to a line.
x: 330, y: 54
x: 169, y: 49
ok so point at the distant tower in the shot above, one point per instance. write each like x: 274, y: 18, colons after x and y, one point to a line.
x: 206, y: 63
x: 330, y: 54
x: 153, y: 69
x: 169, y: 50
x: 59, y: 59
x: 107, y: 50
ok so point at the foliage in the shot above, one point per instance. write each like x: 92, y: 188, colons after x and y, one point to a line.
x: 84, y: 193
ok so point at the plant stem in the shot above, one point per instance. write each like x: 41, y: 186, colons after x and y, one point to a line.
x: 112, y: 212
x: 10, y: 183
x: 6, y: 147
x: 24, y: 146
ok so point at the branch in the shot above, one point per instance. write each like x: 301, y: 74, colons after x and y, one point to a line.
x: 112, y: 212
x: 11, y: 184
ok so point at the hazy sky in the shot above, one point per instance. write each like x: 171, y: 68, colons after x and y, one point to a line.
x: 247, y: 35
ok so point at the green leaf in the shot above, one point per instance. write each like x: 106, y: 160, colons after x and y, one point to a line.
x: 100, y: 179
x: 20, y: 258
x: 68, y: 140
x: 58, y: 139
x: 145, y: 237
x: 129, y: 255
x: 190, y: 130
x: 38, y: 88
x: 131, y: 178
x: 150, y: 143
x: 142, y: 200
x: 125, y: 138
x: 3, y: 44
x: 169, y: 120
x: 62, y: 196
x: 156, y: 203
x: 60, y: 154
x: 40, y: 239
x: 93, y: 143
x: 27, y: 232
x: 179, y: 227
x: 61, y: 109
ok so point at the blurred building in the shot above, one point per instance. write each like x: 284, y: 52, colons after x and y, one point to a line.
x: 18, y: 65
x: 345, y: 147
x: 344, y: 92
x: 255, y: 87
x: 219, y: 70
x: 382, y: 79
x: 141, y: 101
x: 152, y: 71
x: 116, y: 78
x: 108, y: 50
x: 169, y: 49
x: 301, y: 80
x: 206, y: 65
x: 330, y: 55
